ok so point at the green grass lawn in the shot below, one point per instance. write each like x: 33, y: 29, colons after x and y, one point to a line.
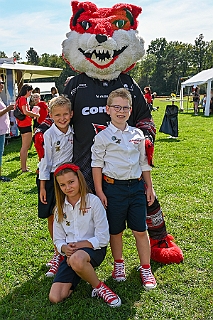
x: 182, y: 178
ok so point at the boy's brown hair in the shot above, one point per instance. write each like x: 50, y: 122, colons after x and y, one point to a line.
x: 122, y: 93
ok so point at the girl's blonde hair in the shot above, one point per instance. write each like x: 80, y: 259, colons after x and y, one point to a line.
x: 60, y: 196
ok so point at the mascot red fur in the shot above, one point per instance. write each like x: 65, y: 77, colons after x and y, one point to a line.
x: 103, y: 45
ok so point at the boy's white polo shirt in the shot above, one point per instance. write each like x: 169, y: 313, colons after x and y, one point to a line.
x: 120, y: 154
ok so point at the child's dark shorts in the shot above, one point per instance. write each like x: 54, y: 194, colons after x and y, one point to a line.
x: 66, y: 274
x: 46, y: 210
x: 126, y: 203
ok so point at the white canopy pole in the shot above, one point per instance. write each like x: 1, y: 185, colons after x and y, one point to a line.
x: 208, y: 97
x: 181, y: 98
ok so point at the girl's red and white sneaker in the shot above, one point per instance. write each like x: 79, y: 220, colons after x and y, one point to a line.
x: 107, y: 295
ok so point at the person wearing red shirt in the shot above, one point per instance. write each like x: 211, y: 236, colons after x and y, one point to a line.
x: 25, y: 126
x: 147, y: 95
x: 43, y: 109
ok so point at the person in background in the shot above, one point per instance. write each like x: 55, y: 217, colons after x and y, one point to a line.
x: 41, y: 107
x: 36, y: 90
x: 211, y: 103
x: 58, y: 148
x: 149, y: 97
x: 123, y: 183
x: 196, y: 100
x: 203, y: 102
x: 25, y: 126
x: 54, y: 92
x: 81, y: 235
x: 4, y: 127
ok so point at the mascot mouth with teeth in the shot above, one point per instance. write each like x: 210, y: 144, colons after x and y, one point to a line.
x: 103, y: 45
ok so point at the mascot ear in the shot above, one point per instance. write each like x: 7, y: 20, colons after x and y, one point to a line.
x: 76, y: 5
x: 78, y: 8
x: 132, y: 12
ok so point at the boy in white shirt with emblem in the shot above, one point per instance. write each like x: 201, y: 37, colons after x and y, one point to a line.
x: 58, y: 148
x: 123, y: 183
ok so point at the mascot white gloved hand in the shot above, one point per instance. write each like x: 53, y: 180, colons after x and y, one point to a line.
x: 103, y: 45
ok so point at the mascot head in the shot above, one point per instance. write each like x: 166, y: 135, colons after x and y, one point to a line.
x: 103, y: 42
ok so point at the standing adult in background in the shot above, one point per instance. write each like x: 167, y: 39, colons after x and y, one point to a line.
x: 4, y: 126
x: 25, y: 126
x: 196, y: 100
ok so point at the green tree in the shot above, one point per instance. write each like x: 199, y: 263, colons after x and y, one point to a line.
x: 157, y: 48
x: 209, y: 55
x: 3, y: 54
x: 32, y: 56
x: 143, y: 71
x: 44, y: 60
x: 17, y: 56
x: 199, y: 53
x: 55, y: 61
x: 135, y: 73
x: 178, y: 61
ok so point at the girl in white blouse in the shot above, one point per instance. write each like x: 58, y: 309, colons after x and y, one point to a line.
x: 81, y: 234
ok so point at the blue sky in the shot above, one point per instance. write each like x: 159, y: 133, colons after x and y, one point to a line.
x: 43, y: 24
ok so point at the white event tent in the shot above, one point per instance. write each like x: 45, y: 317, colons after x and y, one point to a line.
x: 16, y: 73
x: 205, y: 76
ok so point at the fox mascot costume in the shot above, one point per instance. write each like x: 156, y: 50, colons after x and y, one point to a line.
x: 103, y: 45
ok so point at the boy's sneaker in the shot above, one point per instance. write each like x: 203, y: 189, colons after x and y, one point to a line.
x: 118, y: 273
x: 54, y: 268
x: 49, y: 264
x: 107, y: 295
x: 147, y: 278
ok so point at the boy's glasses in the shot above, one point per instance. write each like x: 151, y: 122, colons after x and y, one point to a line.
x: 119, y: 108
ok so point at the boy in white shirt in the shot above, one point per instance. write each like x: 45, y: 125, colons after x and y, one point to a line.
x: 58, y: 148
x: 120, y: 168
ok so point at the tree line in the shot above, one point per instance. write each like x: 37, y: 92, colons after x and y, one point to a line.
x: 167, y: 64
x: 163, y: 67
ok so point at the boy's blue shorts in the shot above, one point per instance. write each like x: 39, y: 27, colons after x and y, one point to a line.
x: 126, y: 203
x: 66, y: 274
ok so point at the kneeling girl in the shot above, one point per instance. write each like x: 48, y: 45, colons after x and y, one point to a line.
x: 81, y: 234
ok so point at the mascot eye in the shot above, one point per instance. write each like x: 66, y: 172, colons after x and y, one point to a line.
x: 119, y: 23
x: 85, y: 25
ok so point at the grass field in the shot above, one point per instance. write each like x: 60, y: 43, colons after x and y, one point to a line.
x: 182, y: 178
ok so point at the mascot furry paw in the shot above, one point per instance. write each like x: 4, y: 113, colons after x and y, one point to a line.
x: 103, y: 45
x: 165, y: 250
